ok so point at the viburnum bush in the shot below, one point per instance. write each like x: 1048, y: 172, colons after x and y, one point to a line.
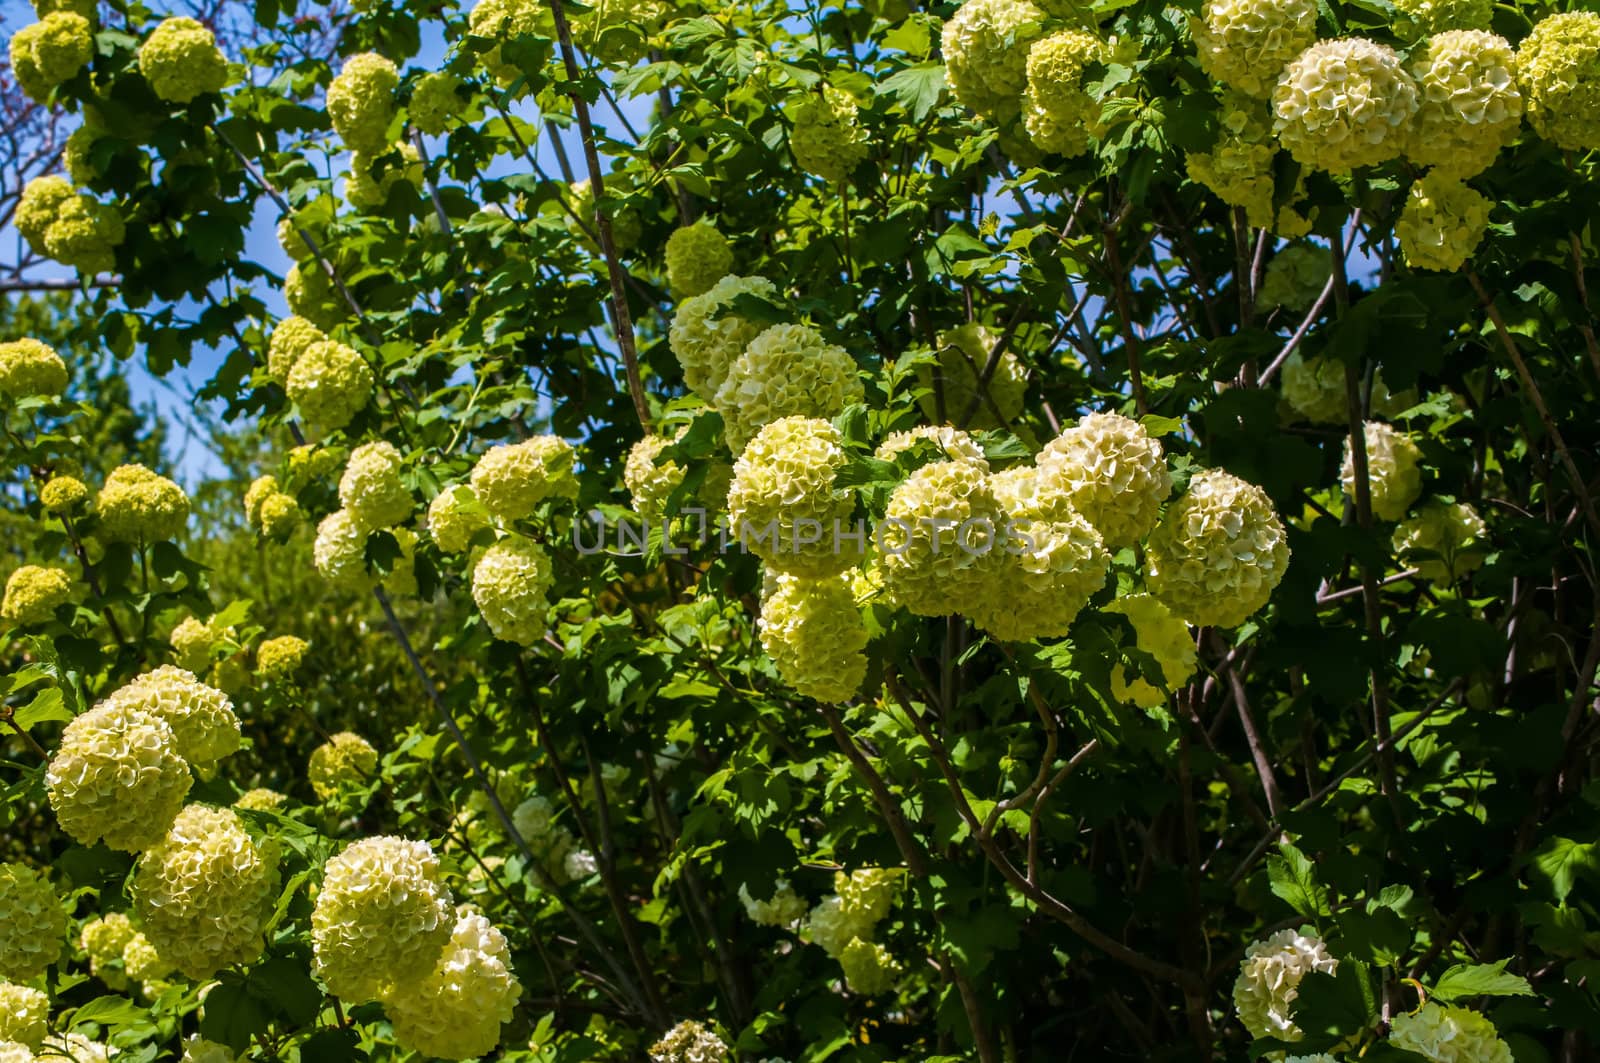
x: 838, y: 531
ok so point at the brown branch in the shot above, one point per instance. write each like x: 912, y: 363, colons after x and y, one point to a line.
x: 621, y: 320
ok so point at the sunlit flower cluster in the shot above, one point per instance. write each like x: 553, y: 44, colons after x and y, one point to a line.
x: 1468, y: 103
x: 51, y: 51
x: 707, y: 337
x: 33, y: 927
x: 371, y: 489
x: 454, y: 517
x: 204, y: 891
x: 455, y: 1010
x: 1114, y: 473
x: 71, y: 227
x: 502, y: 21
x: 311, y: 293
x: 689, y: 1042
x: 434, y: 102
x: 1558, y: 67
x: 137, y: 505
x: 940, y: 537
x: 1056, y: 111
x: 383, y: 917
x: 985, y: 50
x: 181, y: 60
x: 1394, y: 475
x: 1442, y: 223
x: 826, y: 138
x: 1343, y: 104
x: 1269, y: 981
x: 814, y: 633
x: 345, y: 762
x: 511, y: 585
x: 1164, y: 637
x: 787, y: 370
x: 361, y: 102
x: 511, y: 479
x: 201, y: 717
x: 1244, y: 44
x: 329, y: 384
x: 33, y: 594
x: 784, y: 908
x: 697, y: 257
x: 1444, y: 1034
x: 1218, y: 553
x: 783, y: 490
x: 29, y: 368
x: 1040, y: 579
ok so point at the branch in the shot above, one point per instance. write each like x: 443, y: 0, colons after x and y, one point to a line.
x: 620, y: 318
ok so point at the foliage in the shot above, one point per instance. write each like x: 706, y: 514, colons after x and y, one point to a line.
x: 1203, y: 696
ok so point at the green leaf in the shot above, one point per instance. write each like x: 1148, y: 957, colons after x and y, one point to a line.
x: 1560, y: 861
x: 232, y: 1016
x: 1480, y: 980
x: 1294, y: 881
x: 48, y: 705
x: 110, y: 1011
x: 916, y: 88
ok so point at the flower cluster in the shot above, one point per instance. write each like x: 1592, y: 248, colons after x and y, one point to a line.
x: 1056, y: 111
x: 50, y: 52
x: 367, y: 189
x: 343, y: 763
x: 311, y: 293
x: 985, y: 47
x: 340, y: 555
x: 1039, y: 583
x: 71, y: 227
x: 434, y: 102
x: 1244, y: 44
x: 706, y: 337
x: 454, y: 517
x: 181, y: 60
x: 511, y: 585
x: 191, y: 640
x: 33, y: 594
x: 511, y: 479
x: 506, y: 20
x: 1114, y: 473
x: 689, y: 1042
x: 329, y: 383
x: 24, y: 1014
x: 371, y: 490
x: 136, y: 505
x: 1295, y: 278
x: 29, y: 368
x: 1218, y: 553
x: 869, y: 968
x: 949, y: 442
x: 939, y: 538
x: 1026, y: 493
x: 697, y: 257
x: 33, y: 927
x: 1238, y: 168
x: 204, y: 892
x: 117, y: 777
x: 63, y: 494
x: 1269, y: 981
x: 964, y: 354
x: 616, y: 30
x: 260, y: 800
x: 650, y: 484
x: 361, y: 102
x: 1344, y: 103
x: 1164, y: 637
x: 1426, y: 18
x: 784, y: 908
x: 1442, y: 541
x: 1393, y: 473
x: 1314, y: 388
x: 783, y: 480
x: 103, y: 939
x: 1558, y: 67
x: 271, y: 511
x: 456, y: 1010
x: 1468, y: 104
x: 1444, y: 1034
x: 1442, y: 223
x: 534, y: 820
x: 786, y: 371
x: 204, y: 727
x: 814, y: 633
x: 290, y: 339
x: 383, y: 917
x: 826, y: 138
